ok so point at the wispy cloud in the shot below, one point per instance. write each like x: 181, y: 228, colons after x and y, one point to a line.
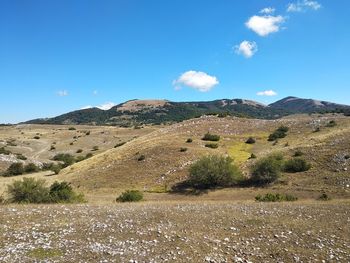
x: 267, y: 10
x: 198, y: 80
x: 62, y: 93
x: 246, y: 48
x: 301, y: 6
x: 267, y: 93
x: 265, y: 24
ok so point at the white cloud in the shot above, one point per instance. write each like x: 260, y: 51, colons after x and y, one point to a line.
x: 198, y: 80
x: 265, y: 25
x: 266, y: 93
x: 105, y: 106
x: 246, y: 48
x: 267, y: 10
x: 62, y: 93
x: 302, y: 6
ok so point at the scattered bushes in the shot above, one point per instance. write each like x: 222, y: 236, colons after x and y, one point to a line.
x: 267, y: 170
x: 66, y: 158
x: 211, y: 137
x: 30, y: 190
x: 213, y: 171
x: 281, y: 132
x: 211, y: 145
x: 250, y: 140
x: 21, y: 156
x: 189, y: 140
x: 296, y: 165
x: 269, y: 197
x: 183, y: 149
x: 130, y: 196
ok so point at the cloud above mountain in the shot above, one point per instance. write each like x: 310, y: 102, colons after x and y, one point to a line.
x: 266, y: 93
x: 197, y: 80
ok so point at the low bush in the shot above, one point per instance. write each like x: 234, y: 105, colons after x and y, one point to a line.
x: 95, y: 148
x: 269, y: 197
x: 4, y: 151
x: 30, y: 190
x: 211, y: 137
x: 298, y: 153
x: 66, y: 158
x: 183, y: 149
x: 189, y: 140
x: 250, y: 140
x: 21, y: 156
x: 214, y: 171
x: 79, y: 151
x: 318, y: 129
x: 211, y: 145
x: 331, y: 123
x: 71, y: 129
x: 324, y: 197
x: 31, y: 168
x: 130, y: 196
x: 252, y: 156
x: 296, y: 165
x: 141, y: 157
x: 267, y: 170
x: 281, y: 132
x: 36, y: 137
x: 88, y: 155
x: 15, y: 169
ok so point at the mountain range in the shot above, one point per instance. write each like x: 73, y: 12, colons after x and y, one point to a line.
x: 138, y: 112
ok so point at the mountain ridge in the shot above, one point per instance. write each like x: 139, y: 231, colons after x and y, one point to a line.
x: 138, y: 112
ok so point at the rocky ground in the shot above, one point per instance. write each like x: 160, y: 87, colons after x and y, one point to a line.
x: 311, y: 231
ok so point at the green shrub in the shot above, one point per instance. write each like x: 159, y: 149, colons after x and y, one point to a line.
x: 79, y: 158
x: 95, y: 148
x: 36, y: 137
x: 213, y: 171
x: 29, y: 190
x: 87, y: 133
x: 15, y: 169
x: 4, y: 151
x: 252, y: 156
x: 281, y: 132
x: 31, y: 168
x: 183, y: 149
x: 79, y: 151
x: 250, y: 140
x: 269, y: 197
x: 296, y: 165
x: 211, y: 145
x: 63, y: 193
x: 88, y: 155
x: 130, y: 196
x: 211, y: 137
x: 71, y: 129
x: 324, y: 197
x: 267, y: 170
x: 189, y: 140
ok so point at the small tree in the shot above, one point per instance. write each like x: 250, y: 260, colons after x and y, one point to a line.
x: 31, y: 168
x: 130, y: 196
x: 15, y: 169
x: 267, y: 170
x: 63, y: 193
x: 212, y: 171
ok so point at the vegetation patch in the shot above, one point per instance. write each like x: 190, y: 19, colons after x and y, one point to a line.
x: 324, y: 197
x: 130, y: 196
x: 281, y: 132
x: 269, y: 197
x: 267, y: 170
x: 4, y: 151
x: 240, y: 151
x: 211, y: 137
x: 44, y: 253
x: 189, y: 140
x: 211, y: 145
x: 250, y: 140
x: 296, y: 165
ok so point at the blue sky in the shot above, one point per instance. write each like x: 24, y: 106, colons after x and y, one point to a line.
x: 59, y: 56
